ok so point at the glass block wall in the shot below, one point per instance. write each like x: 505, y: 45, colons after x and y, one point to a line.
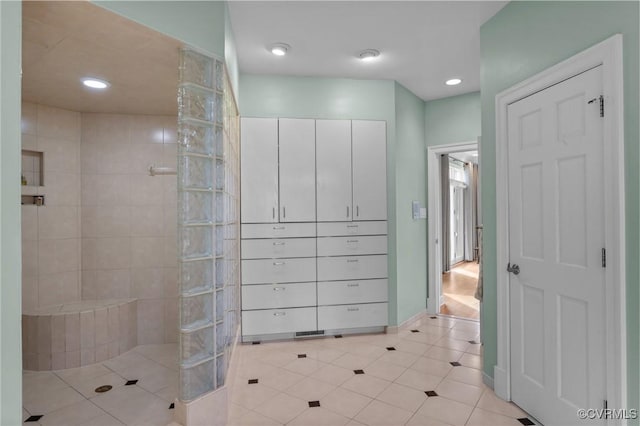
x: 208, y: 218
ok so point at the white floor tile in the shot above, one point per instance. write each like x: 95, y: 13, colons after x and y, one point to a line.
x: 383, y: 414
x: 318, y: 416
x: 345, y: 402
x: 283, y: 408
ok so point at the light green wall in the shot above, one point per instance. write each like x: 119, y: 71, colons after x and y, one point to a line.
x: 411, y: 235
x: 521, y: 40
x: 451, y: 120
x: 10, y: 240
x: 332, y: 98
x: 199, y: 24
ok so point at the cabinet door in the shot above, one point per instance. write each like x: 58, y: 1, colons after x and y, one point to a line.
x: 259, y: 170
x: 297, y: 153
x: 369, y: 144
x: 333, y: 169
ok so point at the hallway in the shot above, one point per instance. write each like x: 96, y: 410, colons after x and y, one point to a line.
x: 458, y: 289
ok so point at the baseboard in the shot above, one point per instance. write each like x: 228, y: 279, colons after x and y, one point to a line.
x: 487, y: 380
x: 501, y: 384
x: 392, y: 329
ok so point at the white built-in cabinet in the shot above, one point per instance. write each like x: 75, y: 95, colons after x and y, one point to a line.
x: 314, y: 230
x: 278, y: 176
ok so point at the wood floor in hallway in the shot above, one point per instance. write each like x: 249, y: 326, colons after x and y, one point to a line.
x: 458, y: 288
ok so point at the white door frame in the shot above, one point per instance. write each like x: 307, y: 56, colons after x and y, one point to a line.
x: 435, y: 219
x: 608, y: 54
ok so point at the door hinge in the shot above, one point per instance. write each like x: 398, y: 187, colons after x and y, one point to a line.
x: 601, y: 99
x: 604, y: 258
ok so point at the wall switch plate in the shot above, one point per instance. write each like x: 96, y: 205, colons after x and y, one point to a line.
x: 423, y: 212
x: 415, y: 208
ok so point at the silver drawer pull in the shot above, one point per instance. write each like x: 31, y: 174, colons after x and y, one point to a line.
x: 278, y: 263
x: 352, y: 260
x: 279, y: 243
x: 352, y: 241
x: 279, y: 314
x: 353, y: 285
x: 279, y: 228
x: 352, y: 226
x: 279, y: 289
x: 353, y: 309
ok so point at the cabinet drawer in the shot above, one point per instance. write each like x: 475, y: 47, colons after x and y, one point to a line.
x: 360, y: 291
x: 278, y: 321
x: 328, y: 229
x: 266, y: 271
x: 278, y: 230
x: 347, y: 246
x: 351, y: 267
x: 267, y: 296
x: 352, y: 316
x: 282, y: 247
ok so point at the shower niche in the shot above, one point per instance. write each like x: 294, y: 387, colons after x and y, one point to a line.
x: 32, y: 177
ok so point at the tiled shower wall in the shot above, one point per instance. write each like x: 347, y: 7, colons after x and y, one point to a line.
x: 129, y: 217
x: 51, y: 233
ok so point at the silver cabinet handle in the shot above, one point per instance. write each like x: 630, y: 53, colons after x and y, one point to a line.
x: 279, y: 243
x: 278, y: 263
x: 353, y: 309
x: 279, y: 314
x: 353, y: 285
x: 347, y: 211
x: 284, y: 211
x: 352, y: 241
x: 357, y: 210
x: 279, y: 289
x: 352, y: 226
x: 352, y: 260
x: 278, y: 228
x: 273, y: 212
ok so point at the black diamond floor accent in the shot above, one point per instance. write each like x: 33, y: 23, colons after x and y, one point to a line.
x: 131, y: 382
x: 473, y: 342
x: 431, y: 393
x: 302, y: 355
x: 253, y: 381
x: 455, y: 363
x: 526, y: 421
x: 358, y: 371
x: 33, y: 418
x: 433, y: 317
x: 415, y: 331
x: 338, y: 336
x: 314, y: 403
x: 255, y: 343
x: 391, y: 348
x: 172, y: 406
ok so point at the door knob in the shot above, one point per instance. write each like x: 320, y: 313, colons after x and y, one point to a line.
x: 513, y: 268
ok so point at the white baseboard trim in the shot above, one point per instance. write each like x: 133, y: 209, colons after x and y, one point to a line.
x: 393, y: 329
x: 500, y: 382
x: 487, y: 380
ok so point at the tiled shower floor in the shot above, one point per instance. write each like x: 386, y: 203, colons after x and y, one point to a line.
x: 409, y: 378
x: 68, y: 397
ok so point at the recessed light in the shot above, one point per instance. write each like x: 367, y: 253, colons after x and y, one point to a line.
x: 453, y: 82
x: 279, y: 49
x: 368, y: 55
x: 95, y: 83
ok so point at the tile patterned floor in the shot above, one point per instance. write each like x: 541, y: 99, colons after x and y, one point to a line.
x: 408, y: 378
x: 399, y: 370
x: 68, y: 397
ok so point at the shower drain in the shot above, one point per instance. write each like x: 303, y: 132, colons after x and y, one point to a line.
x: 103, y: 388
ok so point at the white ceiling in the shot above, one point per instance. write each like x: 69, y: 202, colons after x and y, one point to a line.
x: 422, y: 43
x: 465, y: 156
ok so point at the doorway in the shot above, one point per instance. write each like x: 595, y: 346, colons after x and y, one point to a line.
x: 559, y: 279
x: 454, y: 245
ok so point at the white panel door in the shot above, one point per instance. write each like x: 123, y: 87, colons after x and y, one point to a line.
x: 259, y: 170
x: 556, y: 230
x: 297, y: 153
x: 333, y: 170
x: 369, y: 142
